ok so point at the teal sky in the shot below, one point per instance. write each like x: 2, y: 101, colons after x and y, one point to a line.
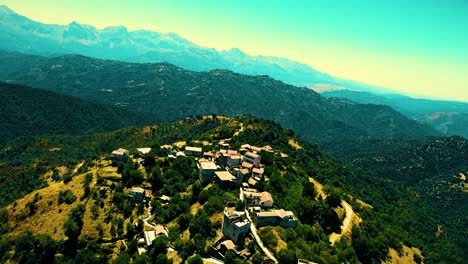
x: 416, y: 47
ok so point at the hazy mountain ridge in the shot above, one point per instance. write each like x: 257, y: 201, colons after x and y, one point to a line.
x: 448, y: 117
x: 172, y: 93
x: 19, y: 33
x: 30, y: 112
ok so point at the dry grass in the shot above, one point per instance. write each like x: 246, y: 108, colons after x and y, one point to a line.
x: 50, y: 216
x: 293, y: 143
x: 180, y: 144
x: 407, y: 257
x: 217, y: 218
x: 195, y: 207
x: 318, y: 188
x: 281, y: 244
x: 109, y: 171
x: 175, y: 258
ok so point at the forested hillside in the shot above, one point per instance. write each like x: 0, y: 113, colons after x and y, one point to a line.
x: 394, y: 209
x: 430, y: 174
x: 27, y: 111
x: 171, y: 93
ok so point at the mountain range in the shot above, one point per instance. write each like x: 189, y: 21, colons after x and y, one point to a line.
x: 171, y: 93
x: 448, y: 117
x: 19, y: 33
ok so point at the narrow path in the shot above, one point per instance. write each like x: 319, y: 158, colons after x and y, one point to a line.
x: 259, y: 241
x: 145, y: 220
x: 240, y: 130
x: 347, y: 223
x: 213, y: 260
x: 77, y: 167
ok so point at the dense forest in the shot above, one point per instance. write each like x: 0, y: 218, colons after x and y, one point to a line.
x: 423, y: 179
x: 400, y: 213
x: 26, y: 112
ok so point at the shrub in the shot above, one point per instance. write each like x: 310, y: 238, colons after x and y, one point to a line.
x: 66, y: 196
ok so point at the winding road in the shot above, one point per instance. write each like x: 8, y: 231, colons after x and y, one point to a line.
x: 259, y: 241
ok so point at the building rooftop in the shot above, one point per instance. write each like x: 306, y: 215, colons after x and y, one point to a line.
x: 256, y: 149
x: 166, y: 147
x: 208, y: 154
x: 144, y: 150
x: 120, y: 151
x: 208, y: 165
x: 225, y: 176
x: 266, y: 196
x: 258, y: 170
x: 252, y: 155
x: 235, y: 156
x: 137, y: 190
x: 236, y: 217
x: 229, y: 244
x: 149, y: 237
x: 194, y: 149
x: 245, y: 146
x: 267, y: 148
x: 160, y: 230
x: 247, y: 165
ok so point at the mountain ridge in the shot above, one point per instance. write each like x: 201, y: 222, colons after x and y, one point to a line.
x: 28, y: 111
x: 150, y: 46
x: 172, y: 93
x: 448, y: 117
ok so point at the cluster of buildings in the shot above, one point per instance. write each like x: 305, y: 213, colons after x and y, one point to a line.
x: 230, y: 169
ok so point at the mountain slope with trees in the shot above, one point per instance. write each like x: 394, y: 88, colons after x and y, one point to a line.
x: 448, y: 117
x: 171, y: 93
x: 27, y: 111
x: 399, y: 212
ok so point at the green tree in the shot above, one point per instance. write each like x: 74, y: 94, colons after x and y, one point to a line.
x: 197, y: 259
x: 286, y: 256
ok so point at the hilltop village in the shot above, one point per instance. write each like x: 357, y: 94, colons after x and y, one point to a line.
x: 229, y: 169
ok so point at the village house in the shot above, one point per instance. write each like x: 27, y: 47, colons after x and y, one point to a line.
x: 160, y: 230
x: 247, y: 166
x: 252, y: 158
x: 137, y: 193
x: 193, y: 151
x: 257, y: 173
x: 256, y: 149
x: 223, y: 144
x: 208, y: 155
x: 225, y: 179
x: 235, y: 224
x: 224, y: 157
x: 143, y: 151
x: 274, y: 217
x: 180, y: 154
x: 207, y: 169
x: 151, y: 235
x: 252, y: 197
x: 267, y: 148
x: 164, y: 199
x: 233, y: 161
x: 120, y: 154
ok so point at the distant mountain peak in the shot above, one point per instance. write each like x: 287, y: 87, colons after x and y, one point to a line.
x: 236, y: 51
x: 5, y: 10
x: 116, y: 29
